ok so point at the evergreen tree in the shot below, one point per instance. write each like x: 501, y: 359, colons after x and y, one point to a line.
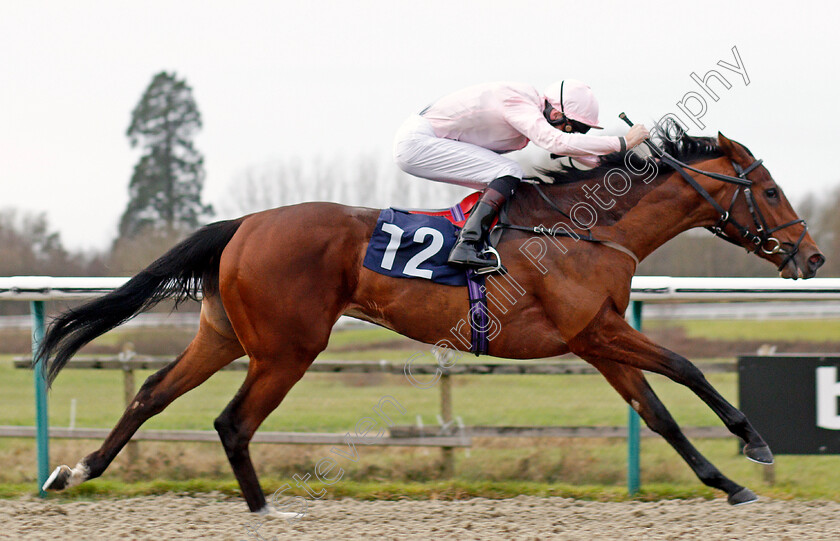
x: 165, y: 189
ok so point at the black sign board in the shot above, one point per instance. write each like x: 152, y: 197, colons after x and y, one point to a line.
x: 793, y: 401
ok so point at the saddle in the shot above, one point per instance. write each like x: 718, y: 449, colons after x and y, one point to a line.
x: 456, y: 214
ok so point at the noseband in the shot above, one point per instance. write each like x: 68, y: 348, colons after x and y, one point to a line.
x: 763, y: 235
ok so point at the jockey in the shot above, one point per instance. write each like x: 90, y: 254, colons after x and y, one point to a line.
x: 459, y: 139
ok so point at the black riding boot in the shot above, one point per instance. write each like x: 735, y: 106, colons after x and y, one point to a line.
x: 468, y: 248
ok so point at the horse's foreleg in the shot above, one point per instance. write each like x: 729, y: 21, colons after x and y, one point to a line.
x: 610, y: 337
x: 634, y: 388
x: 207, y: 353
x: 262, y: 391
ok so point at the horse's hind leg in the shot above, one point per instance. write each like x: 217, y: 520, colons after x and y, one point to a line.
x: 281, y: 346
x: 213, y: 347
x: 634, y: 388
x: 265, y: 386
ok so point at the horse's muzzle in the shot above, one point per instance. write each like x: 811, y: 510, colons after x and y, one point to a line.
x: 803, y: 265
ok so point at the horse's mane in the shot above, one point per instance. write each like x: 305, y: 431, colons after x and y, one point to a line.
x: 677, y: 143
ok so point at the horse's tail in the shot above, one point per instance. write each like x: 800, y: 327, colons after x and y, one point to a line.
x: 180, y: 273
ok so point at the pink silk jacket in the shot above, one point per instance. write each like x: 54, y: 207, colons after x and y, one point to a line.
x: 503, y: 117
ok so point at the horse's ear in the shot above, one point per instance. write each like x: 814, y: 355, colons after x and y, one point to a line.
x: 733, y: 150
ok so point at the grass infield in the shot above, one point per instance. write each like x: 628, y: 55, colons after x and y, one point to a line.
x: 493, y: 468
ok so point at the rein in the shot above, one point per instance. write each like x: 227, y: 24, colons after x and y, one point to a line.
x: 542, y: 230
x: 757, y: 240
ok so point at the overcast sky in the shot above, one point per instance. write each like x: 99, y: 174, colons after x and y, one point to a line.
x: 282, y: 79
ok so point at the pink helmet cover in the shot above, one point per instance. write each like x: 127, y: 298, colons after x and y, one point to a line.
x: 574, y: 99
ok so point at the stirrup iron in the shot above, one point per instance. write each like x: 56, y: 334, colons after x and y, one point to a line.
x: 497, y: 268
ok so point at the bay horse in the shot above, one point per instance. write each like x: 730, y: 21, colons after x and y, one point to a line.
x: 274, y: 283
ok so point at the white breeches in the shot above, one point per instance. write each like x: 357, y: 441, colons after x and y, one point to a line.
x: 419, y: 152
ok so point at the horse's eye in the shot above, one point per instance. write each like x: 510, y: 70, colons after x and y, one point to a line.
x: 771, y: 193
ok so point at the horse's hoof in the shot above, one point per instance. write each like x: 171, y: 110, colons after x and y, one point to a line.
x: 742, y: 497
x: 270, y: 512
x: 760, y: 454
x: 64, y: 477
x: 58, y: 478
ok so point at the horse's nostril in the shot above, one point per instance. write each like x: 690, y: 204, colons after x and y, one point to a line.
x: 816, y: 261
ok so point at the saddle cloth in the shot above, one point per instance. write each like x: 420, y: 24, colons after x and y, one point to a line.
x: 416, y: 244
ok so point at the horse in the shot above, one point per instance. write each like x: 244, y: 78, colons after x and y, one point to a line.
x: 274, y: 283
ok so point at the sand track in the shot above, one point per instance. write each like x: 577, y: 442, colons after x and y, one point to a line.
x: 529, y: 518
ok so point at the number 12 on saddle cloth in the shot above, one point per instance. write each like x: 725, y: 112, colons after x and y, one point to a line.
x: 407, y: 245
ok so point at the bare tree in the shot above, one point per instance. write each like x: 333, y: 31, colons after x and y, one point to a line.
x: 365, y: 181
x: 29, y: 246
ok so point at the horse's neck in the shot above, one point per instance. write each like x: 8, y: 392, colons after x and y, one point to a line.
x: 642, y: 219
x: 671, y: 208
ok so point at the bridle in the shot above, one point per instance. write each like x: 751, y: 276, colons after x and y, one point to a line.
x: 764, y: 234
x: 756, y: 241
